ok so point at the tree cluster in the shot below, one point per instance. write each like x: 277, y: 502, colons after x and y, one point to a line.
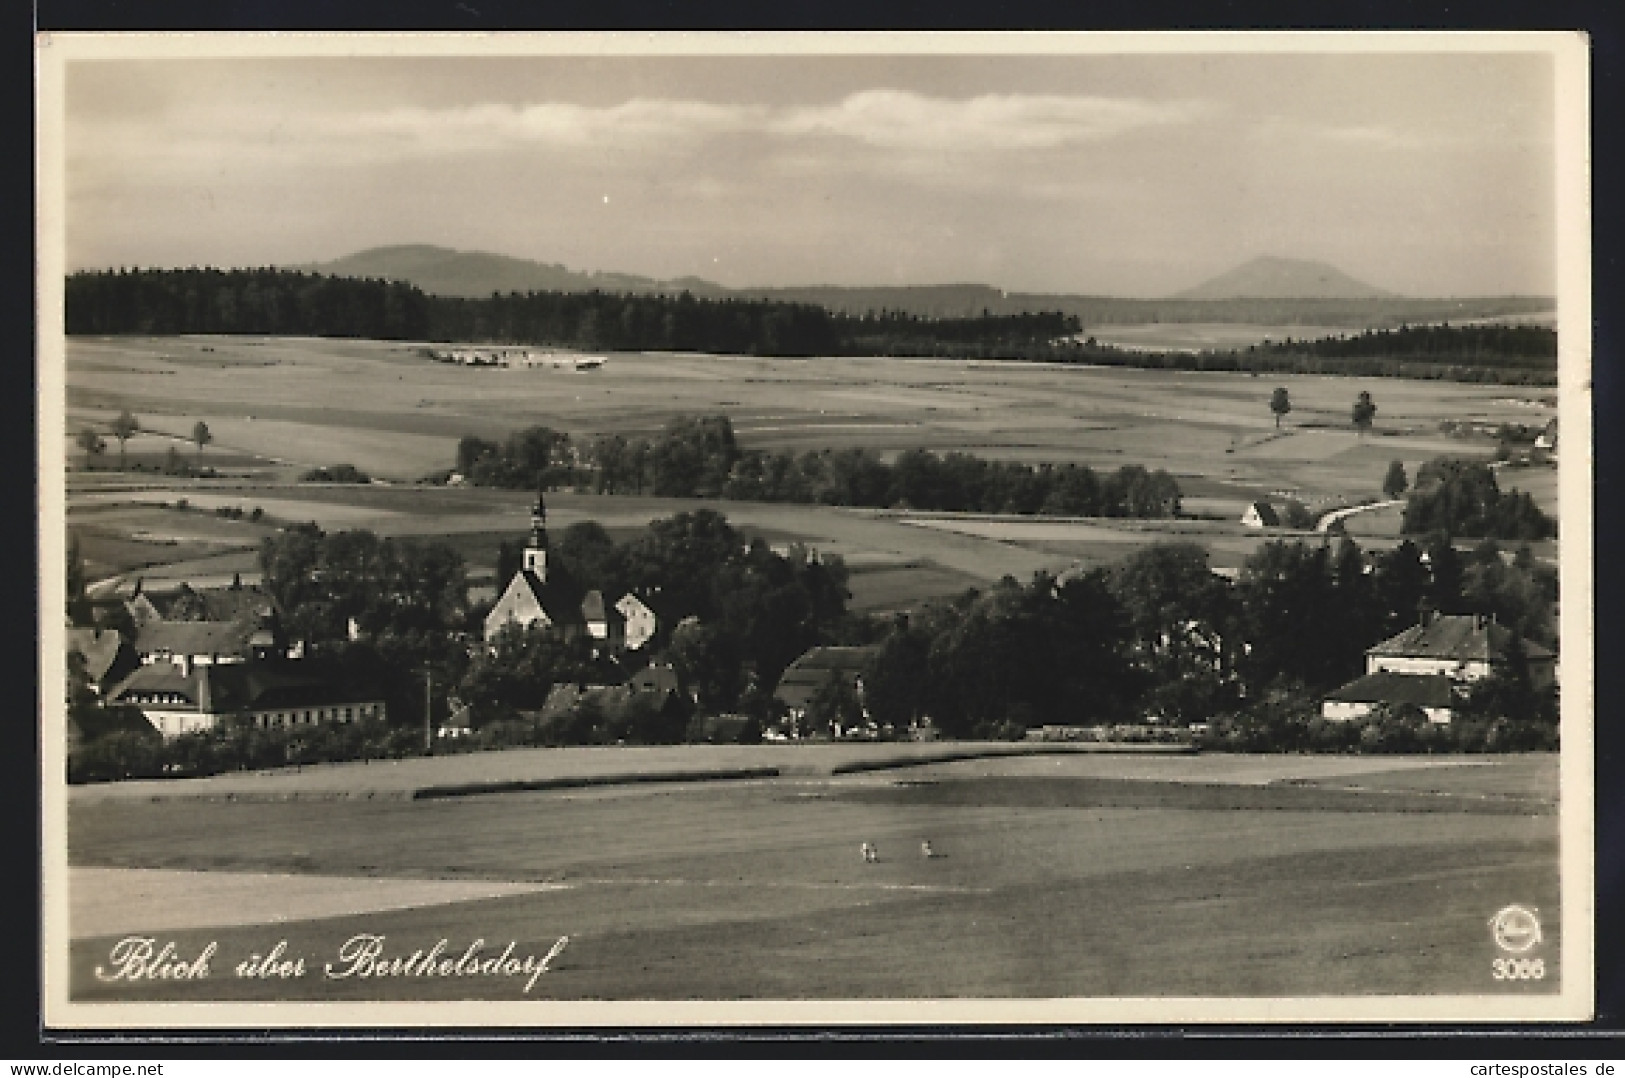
x: 1462, y: 497
x: 698, y: 456
x: 1161, y: 636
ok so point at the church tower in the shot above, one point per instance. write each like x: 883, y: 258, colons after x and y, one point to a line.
x: 536, y: 549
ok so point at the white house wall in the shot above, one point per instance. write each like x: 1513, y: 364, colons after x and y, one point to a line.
x: 1455, y: 669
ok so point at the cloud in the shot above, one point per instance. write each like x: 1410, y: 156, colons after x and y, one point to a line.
x: 254, y: 132
x: 898, y: 120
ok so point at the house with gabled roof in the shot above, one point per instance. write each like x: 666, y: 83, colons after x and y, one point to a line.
x: 1260, y: 515
x: 1434, y: 663
x: 801, y: 680
x: 108, y: 656
x: 1462, y: 647
x: 204, y: 643
x: 1435, y: 694
x: 272, y: 694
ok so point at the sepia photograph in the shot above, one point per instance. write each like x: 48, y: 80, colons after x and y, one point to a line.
x: 815, y: 529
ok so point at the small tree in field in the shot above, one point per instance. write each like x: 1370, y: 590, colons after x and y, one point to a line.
x: 92, y: 444
x: 1364, y: 412
x: 1395, y: 482
x: 124, y: 428
x: 202, y: 436
x: 1280, y: 404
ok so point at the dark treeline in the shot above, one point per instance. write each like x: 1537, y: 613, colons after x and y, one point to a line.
x: 638, y: 323
x: 698, y: 456
x: 891, y: 328
x: 1533, y: 347
x: 258, y: 301
x: 286, y: 302
x: 964, y: 301
x: 271, y: 301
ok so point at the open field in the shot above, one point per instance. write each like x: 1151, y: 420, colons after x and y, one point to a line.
x: 280, y: 405
x: 1066, y: 875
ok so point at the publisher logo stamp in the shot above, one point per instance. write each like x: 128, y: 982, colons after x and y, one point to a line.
x: 1516, y: 929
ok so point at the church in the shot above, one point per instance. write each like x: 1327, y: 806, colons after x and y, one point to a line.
x: 547, y: 595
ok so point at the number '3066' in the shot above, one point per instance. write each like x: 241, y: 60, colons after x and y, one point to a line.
x: 1519, y: 969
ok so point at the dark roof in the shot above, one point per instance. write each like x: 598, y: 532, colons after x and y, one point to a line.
x: 559, y: 595
x: 1386, y: 687
x: 102, y: 649
x: 658, y: 678
x: 566, y: 695
x: 157, y: 678
x: 802, y: 678
x: 244, y: 603
x: 1461, y: 637
x: 593, y: 608
x: 250, y: 686
x: 194, y: 637
x: 1267, y: 514
x: 98, y: 722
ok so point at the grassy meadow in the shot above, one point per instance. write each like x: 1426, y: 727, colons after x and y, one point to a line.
x: 1082, y: 875
x: 279, y: 406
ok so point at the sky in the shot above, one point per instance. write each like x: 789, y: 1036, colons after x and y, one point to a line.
x: 1428, y: 174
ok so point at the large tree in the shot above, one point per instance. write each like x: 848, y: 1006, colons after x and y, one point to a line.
x: 1280, y: 404
x: 202, y: 437
x: 1395, y: 482
x: 1365, y: 410
x: 124, y: 428
x: 92, y: 443
x: 1181, y: 620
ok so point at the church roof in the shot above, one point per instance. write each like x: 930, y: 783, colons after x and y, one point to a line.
x: 559, y: 595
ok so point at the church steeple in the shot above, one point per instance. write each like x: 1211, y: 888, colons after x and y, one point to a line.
x: 536, y: 549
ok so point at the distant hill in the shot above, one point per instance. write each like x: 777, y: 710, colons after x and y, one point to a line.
x: 1269, y: 277
x: 1284, y: 278
x: 441, y: 271
x: 1266, y: 291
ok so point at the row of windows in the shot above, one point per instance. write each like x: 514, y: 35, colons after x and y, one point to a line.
x: 311, y: 716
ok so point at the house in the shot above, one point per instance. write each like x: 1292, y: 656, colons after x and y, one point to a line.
x: 605, y: 624
x: 460, y: 723
x: 1462, y: 647
x: 802, y: 679
x: 109, y: 657
x: 657, y: 678
x: 237, y: 602
x: 1547, y: 439
x: 566, y: 696
x: 639, y: 621
x: 1433, y: 693
x: 1432, y: 664
x: 546, y: 595
x: 182, y: 698
x: 205, y: 643
x: 1261, y: 515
